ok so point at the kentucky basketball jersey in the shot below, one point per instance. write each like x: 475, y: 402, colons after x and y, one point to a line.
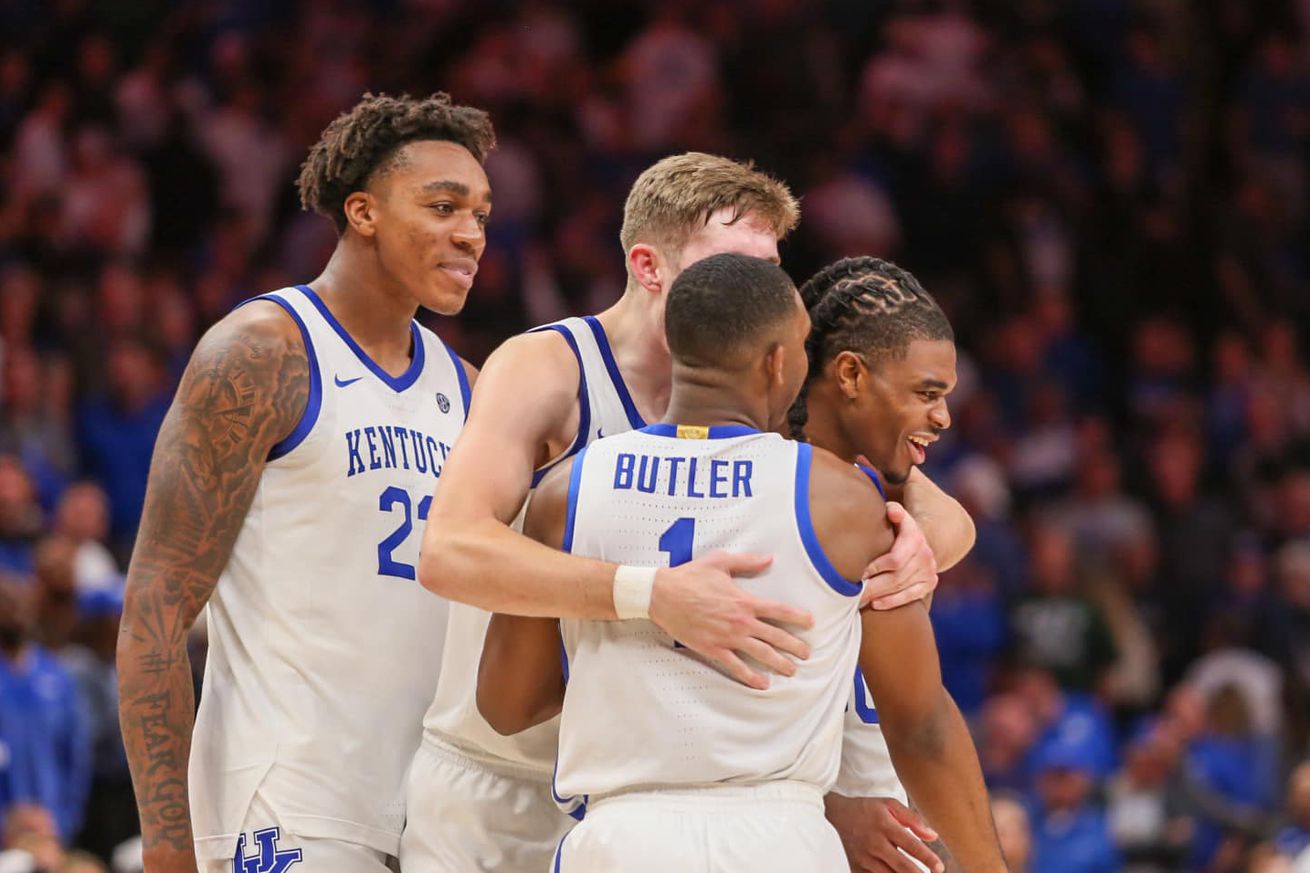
x: 324, y: 650
x: 643, y: 712
x: 605, y: 407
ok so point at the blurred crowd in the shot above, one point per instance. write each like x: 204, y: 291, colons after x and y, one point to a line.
x: 1108, y: 196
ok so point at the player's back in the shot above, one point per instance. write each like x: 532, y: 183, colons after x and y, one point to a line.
x: 324, y: 649
x: 642, y: 712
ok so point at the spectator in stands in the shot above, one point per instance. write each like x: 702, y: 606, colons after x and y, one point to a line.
x: 110, y: 810
x: 1231, y: 777
x: 1056, y: 627
x: 40, y: 721
x: 1070, y: 831
x: 117, y: 431
x: 54, y: 594
x: 1146, y: 804
x: 82, y: 516
x: 20, y: 519
x: 31, y: 839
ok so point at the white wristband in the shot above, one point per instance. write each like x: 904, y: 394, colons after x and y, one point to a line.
x: 632, y: 588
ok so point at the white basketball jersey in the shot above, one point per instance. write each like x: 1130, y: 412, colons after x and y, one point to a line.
x: 605, y: 407
x: 642, y: 712
x: 324, y: 650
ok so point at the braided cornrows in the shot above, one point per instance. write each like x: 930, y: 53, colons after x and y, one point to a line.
x: 863, y: 304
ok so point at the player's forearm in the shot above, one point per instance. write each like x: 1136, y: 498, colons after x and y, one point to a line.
x: 935, y: 759
x: 521, y: 675
x: 156, y: 713
x: 945, y: 524
x: 488, y: 565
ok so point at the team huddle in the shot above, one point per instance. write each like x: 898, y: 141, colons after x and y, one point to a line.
x: 666, y: 608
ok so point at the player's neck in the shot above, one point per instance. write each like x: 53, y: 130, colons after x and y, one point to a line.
x: 709, y: 402
x: 374, y: 311
x: 824, y: 430
x: 642, y: 357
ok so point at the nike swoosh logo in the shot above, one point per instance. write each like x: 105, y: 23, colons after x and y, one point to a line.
x: 600, y: 432
x: 342, y: 383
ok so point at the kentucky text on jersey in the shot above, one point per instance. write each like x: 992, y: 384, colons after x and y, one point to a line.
x: 387, y: 447
x: 721, y: 479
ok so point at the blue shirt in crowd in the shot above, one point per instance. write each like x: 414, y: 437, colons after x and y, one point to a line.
x: 43, y: 734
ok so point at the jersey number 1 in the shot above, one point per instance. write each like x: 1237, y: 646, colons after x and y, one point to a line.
x: 676, y: 541
x: 387, y: 500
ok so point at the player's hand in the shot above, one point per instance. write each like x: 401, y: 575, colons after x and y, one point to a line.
x: 879, y: 833
x: 908, y: 572
x: 702, y: 607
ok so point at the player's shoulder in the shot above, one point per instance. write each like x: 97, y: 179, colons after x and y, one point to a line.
x: 261, y: 324
x: 257, y: 353
x: 840, y: 484
x: 544, y: 352
x: 848, y: 514
x: 531, y: 371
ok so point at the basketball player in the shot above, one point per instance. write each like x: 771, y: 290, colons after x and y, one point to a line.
x: 881, y: 364
x: 540, y: 399
x: 298, y: 456
x: 681, y: 768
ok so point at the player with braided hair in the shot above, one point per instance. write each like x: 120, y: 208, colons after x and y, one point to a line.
x: 881, y: 363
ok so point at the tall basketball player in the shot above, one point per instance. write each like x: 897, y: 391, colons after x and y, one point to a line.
x: 541, y: 398
x: 681, y: 768
x: 288, y: 479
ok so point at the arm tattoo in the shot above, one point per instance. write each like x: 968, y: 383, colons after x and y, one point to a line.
x: 245, y: 388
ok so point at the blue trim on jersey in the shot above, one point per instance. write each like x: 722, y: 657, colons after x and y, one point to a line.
x: 578, y: 810
x: 621, y: 387
x: 867, y: 713
x: 873, y: 477
x: 716, y: 432
x: 584, y: 404
x: 395, y: 383
x: 805, y: 525
x: 571, y: 517
x: 559, y: 851
x: 315, y: 401
x: 464, y: 390
x: 563, y: 653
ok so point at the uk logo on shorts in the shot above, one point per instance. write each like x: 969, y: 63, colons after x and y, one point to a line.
x: 268, y: 858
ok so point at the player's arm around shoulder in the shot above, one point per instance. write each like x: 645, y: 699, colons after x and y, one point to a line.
x: 245, y: 388
x: 848, y: 513
x: 521, y: 676
x: 524, y: 398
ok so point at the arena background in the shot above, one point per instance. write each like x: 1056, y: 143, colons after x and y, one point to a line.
x: 1108, y: 196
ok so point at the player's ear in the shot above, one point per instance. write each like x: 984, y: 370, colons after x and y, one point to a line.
x: 361, y: 213
x: 774, y: 362
x: 646, y: 267
x: 849, y: 371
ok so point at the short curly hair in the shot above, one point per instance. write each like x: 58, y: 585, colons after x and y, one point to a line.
x: 364, y: 141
